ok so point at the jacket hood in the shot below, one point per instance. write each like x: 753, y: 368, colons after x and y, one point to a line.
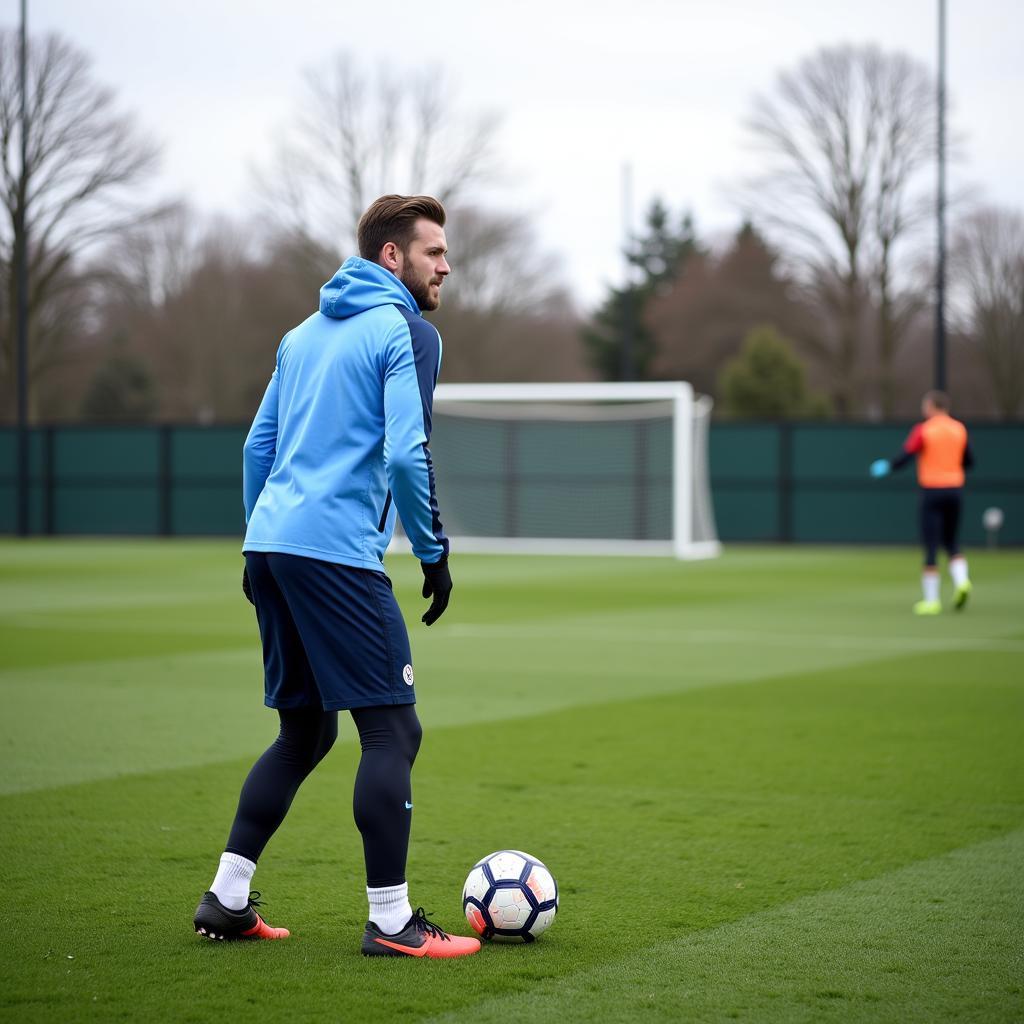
x: 359, y: 285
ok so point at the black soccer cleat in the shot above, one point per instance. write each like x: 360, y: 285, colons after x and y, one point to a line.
x: 215, y: 921
x: 418, y: 938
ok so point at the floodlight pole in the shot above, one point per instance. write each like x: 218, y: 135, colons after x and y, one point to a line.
x: 627, y: 369
x: 940, y: 212
x: 21, y: 260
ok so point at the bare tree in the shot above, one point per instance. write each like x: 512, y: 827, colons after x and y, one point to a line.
x: 512, y: 346
x: 846, y: 136
x: 153, y: 258
x: 497, y: 266
x: 201, y: 304
x: 358, y: 135
x: 199, y: 307
x: 702, y: 315
x: 77, y: 187
x: 988, y: 288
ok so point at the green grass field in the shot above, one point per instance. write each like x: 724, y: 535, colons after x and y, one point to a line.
x: 768, y: 791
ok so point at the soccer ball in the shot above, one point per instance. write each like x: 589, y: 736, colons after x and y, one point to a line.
x: 510, y: 896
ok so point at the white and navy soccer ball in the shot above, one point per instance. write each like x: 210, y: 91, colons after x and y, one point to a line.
x: 510, y: 896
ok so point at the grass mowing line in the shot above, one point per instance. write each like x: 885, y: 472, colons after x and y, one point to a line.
x: 824, y: 641
x: 265, y: 723
x: 34, y: 620
x: 107, y: 719
x: 936, y: 940
x: 258, y: 724
x: 46, y: 621
x: 44, y: 597
x: 150, y: 720
x: 40, y: 753
x: 32, y: 674
x: 650, y: 837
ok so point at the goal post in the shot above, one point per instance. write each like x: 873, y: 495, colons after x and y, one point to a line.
x: 613, y: 468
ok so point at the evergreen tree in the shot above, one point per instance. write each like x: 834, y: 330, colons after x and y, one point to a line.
x: 661, y: 251
x: 700, y: 319
x: 767, y: 379
x: 618, y: 343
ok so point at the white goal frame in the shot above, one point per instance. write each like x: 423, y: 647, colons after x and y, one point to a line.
x: 682, y: 545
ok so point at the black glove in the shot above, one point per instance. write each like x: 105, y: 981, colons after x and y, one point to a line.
x: 246, y: 588
x: 437, y: 582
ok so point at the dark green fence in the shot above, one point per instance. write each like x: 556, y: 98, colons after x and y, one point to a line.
x: 791, y: 482
x: 809, y: 483
x: 120, y: 480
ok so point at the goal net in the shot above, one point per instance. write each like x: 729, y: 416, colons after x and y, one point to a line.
x: 574, y: 468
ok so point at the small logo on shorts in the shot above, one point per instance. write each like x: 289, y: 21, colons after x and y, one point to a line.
x: 407, y: 675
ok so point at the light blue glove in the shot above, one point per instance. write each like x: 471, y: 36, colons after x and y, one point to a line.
x: 880, y: 467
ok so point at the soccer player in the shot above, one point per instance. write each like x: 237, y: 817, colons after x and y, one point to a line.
x: 943, y: 452
x: 338, y: 445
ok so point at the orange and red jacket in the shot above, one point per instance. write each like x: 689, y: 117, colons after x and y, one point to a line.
x: 942, y: 450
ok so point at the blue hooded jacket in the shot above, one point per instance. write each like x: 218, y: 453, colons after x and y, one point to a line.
x: 340, y: 439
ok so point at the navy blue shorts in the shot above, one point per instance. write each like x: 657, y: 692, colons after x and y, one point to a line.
x: 333, y: 636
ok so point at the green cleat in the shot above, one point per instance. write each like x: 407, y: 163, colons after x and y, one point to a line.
x: 927, y: 608
x: 962, y: 593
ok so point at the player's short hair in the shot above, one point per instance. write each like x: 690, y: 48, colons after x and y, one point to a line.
x: 393, y: 219
x: 939, y: 399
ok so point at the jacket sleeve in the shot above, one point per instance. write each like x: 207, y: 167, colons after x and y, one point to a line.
x: 911, y: 447
x: 260, y: 448
x: 413, y: 360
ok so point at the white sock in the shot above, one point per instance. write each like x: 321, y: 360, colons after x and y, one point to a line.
x: 958, y: 570
x: 930, y: 585
x: 390, y: 909
x: 231, y: 885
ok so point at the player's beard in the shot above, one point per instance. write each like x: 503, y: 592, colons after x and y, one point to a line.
x: 420, y: 290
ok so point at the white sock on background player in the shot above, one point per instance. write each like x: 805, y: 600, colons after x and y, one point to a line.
x: 958, y: 570
x: 930, y: 584
x: 231, y: 884
x: 390, y: 909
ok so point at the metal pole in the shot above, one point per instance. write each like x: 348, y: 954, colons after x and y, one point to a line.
x: 21, y: 259
x: 940, y: 212
x: 628, y: 363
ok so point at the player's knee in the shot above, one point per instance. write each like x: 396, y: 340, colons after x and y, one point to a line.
x: 328, y: 734
x: 412, y: 735
x: 392, y: 728
x: 306, y: 736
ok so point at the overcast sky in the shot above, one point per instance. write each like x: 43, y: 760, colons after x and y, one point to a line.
x: 580, y: 88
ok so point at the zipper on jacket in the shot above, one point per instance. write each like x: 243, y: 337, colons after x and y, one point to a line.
x: 384, y: 515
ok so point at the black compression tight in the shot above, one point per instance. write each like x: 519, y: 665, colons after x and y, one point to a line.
x: 305, y: 737
x: 389, y: 736
x: 382, y: 803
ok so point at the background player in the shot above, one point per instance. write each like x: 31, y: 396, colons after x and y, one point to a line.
x: 338, y: 444
x: 943, y: 452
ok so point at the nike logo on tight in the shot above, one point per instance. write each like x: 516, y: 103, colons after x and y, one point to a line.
x: 408, y: 806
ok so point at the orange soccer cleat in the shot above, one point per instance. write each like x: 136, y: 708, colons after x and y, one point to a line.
x: 215, y: 921
x: 418, y: 938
